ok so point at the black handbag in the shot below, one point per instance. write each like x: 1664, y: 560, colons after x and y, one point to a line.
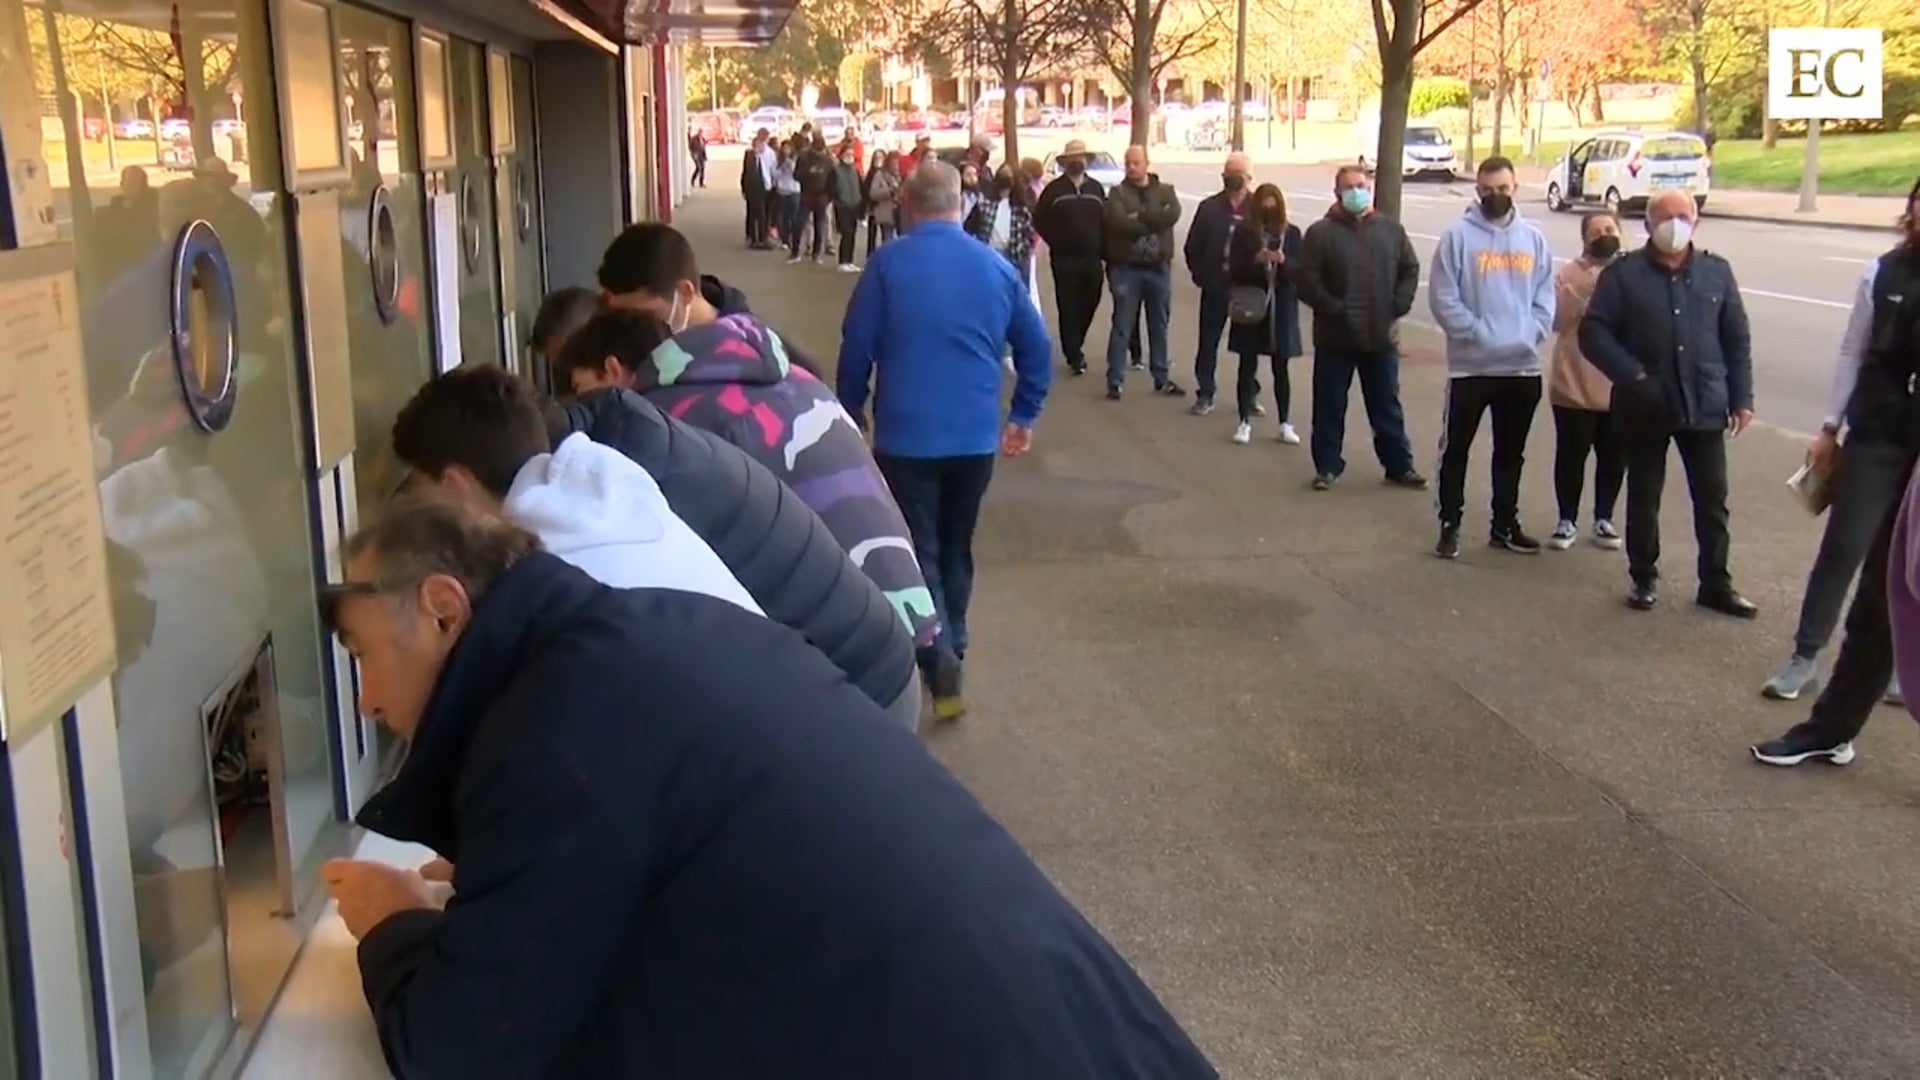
x: 1248, y: 305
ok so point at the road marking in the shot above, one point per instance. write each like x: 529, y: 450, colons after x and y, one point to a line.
x: 1848, y: 259
x: 1745, y: 291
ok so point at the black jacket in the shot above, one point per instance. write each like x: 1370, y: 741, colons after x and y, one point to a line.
x: 1685, y: 329
x: 1884, y: 407
x: 780, y: 550
x: 1207, y: 237
x: 686, y: 848
x: 1139, y: 220
x: 1359, y: 277
x: 1279, y: 334
x: 1071, y: 219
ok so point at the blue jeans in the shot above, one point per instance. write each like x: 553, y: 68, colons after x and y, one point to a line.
x: 940, y: 499
x: 790, y: 219
x: 1379, y: 371
x: 1137, y: 290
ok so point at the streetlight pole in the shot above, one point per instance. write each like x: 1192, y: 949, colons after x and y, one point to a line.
x: 1810, y: 166
x: 713, y: 80
x: 1240, y: 77
x: 1473, y: 54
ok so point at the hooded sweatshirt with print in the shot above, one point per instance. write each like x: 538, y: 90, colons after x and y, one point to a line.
x: 734, y: 377
x: 599, y: 510
x: 1492, y: 294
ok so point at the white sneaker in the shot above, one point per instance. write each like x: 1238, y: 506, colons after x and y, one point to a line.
x: 795, y: 260
x: 1288, y: 435
x: 1563, y: 536
x: 849, y: 268
x: 1243, y: 434
x: 1605, y: 535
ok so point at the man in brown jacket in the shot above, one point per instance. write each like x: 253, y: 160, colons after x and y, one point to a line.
x: 1582, y: 397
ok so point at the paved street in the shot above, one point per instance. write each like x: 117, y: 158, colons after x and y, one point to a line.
x: 1798, y: 280
x: 1357, y: 812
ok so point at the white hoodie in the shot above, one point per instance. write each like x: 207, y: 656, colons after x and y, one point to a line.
x: 599, y: 510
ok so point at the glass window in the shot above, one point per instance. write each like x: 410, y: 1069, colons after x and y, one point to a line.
x: 1674, y: 148
x: 500, y: 102
x: 209, y: 539
x: 436, y: 122
x: 312, y: 104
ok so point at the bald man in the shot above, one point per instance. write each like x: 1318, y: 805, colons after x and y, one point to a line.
x: 1206, y: 250
x: 1139, y: 217
x: 1667, y: 328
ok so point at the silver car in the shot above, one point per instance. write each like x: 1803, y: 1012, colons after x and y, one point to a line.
x: 1101, y: 165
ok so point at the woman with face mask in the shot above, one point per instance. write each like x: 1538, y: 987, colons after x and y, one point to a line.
x: 1582, y: 397
x: 1003, y: 220
x: 883, y: 192
x: 1258, y: 255
x: 847, y: 191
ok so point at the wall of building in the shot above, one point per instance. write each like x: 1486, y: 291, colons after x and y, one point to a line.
x: 383, y: 191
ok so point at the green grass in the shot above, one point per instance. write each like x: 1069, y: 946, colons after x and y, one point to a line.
x: 1849, y: 164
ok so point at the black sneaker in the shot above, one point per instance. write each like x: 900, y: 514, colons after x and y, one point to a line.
x: 1113, y: 393
x: 1514, y: 539
x: 1324, y: 482
x: 1642, y: 596
x: 1201, y: 406
x: 1798, y: 748
x: 1410, y: 479
x: 1449, y: 545
x: 1169, y: 388
x: 949, y: 703
x: 1076, y: 368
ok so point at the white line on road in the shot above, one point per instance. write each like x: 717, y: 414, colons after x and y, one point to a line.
x: 1847, y: 259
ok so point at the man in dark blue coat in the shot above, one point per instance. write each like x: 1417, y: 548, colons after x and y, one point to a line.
x: 1666, y: 326
x: 665, y: 869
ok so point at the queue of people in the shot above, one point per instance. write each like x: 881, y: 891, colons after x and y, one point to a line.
x: 659, y: 866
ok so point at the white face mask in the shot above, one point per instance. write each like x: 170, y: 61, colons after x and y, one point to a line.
x: 678, y: 314
x: 1673, y: 235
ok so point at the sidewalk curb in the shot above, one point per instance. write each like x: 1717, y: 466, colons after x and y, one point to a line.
x: 1806, y: 223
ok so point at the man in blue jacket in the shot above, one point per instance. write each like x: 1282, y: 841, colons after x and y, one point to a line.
x: 932, y: 316
x: 1667, y: 327
x: 664, y: 869
x: 1492, y: 295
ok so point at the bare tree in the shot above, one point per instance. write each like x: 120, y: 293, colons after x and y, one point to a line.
x: 1135, y: 41
x: 1015, y: 39
x: 1401, y: 30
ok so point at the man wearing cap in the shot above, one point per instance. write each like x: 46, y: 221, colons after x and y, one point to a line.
x: 1069, y: 217
x: 922, y: 150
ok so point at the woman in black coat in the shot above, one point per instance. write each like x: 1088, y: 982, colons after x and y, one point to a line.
x: 1262, y: 247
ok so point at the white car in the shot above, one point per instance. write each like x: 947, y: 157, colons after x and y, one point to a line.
x: 1621, y: 170
x: 779, y: 122
x: 1427, y: 151
x: 1101, y: 166
x: 832, y: 124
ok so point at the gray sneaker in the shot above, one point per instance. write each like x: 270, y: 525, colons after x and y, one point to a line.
x: 1894, y: 696
x: 1800, y: 675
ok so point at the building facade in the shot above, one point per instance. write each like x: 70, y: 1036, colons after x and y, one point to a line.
x: 235, y: 236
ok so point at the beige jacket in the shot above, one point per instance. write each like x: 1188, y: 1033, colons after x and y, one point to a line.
x: 1575, y: 383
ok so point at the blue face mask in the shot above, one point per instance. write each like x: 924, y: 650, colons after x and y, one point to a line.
x: 1355, y: 200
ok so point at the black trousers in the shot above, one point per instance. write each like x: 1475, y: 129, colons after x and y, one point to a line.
x: 1578, y: 435
x: 816, y: 216
x: 1871, y: 476
x: 1248, y: 387
x: 756, y: 216
x: 1864, y: 669
x: 1704, y: 456
x: 699, y: 172
x: 769, y: 214
x: 846, y: 223
x: 1512, y: 399
x: 1214, y: 304
x: 1078, y: 282
x: 878, y: 232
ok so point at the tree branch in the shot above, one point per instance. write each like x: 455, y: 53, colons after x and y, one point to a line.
x: 1465, y: 7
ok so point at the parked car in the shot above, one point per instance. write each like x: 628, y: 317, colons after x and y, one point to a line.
x: 1054, y: 116
x: 176, y: 155
x: 1427, y: 150
x: 1101, y: 165
x: 780, y: 122
x: 832, y: 124
x: 1621, y: 170
x: 134, y: 129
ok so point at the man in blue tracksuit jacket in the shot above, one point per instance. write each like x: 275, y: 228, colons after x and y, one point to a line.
x: 1492, y: 294
x: 932, y: 317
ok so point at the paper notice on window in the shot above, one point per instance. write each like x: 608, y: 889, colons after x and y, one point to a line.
x: 56, y: 618
x: 29, y: 185
x: 446, y: 282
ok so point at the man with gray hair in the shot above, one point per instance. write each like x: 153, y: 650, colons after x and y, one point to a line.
x: 932, y: 314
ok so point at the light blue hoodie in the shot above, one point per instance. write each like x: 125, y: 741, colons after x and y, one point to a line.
x: 1492, y: 294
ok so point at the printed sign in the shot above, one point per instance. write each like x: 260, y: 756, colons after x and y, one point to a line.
x: 1824, y: 73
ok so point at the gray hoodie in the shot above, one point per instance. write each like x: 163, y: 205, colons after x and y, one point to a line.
x: 1492, y: 294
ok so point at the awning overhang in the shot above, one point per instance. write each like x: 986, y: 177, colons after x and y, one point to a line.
x: 683, y: 22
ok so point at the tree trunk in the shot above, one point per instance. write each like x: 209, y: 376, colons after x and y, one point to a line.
x: 1140, y: 72
x: 1010, y: 63
x: 1697, y: 63
x: 1396, y: 91
x: 1599, y: 113
x: 1500, y: 80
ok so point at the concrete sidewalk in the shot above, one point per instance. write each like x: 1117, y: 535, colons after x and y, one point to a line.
x: 1357, y: 812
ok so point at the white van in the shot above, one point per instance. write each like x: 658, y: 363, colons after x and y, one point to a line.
x: 1621, y: 170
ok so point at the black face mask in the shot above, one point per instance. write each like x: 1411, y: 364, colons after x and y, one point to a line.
x: 1496, y: 205
x: 1233, y: 181
x: 1603, y: 247
x: 1076, y: 167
